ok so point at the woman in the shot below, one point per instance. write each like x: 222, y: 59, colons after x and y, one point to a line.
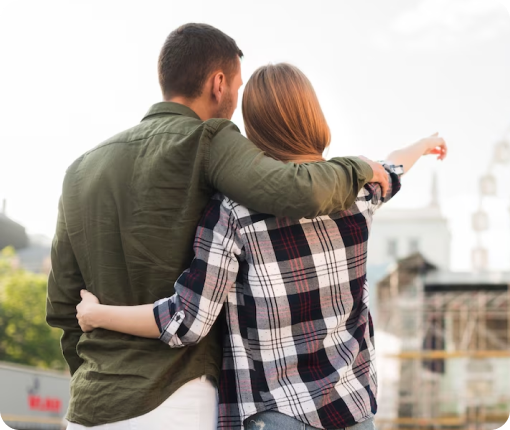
x: 298, y: 343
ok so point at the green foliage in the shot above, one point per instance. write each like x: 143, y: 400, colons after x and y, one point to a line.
x: 24, y: 335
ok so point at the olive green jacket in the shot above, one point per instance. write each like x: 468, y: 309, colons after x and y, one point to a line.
x: 126, y: 225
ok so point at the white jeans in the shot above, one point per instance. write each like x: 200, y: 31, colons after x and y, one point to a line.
x: 194, y: 406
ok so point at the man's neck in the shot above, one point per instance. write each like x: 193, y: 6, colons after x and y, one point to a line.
x: 196, y: 105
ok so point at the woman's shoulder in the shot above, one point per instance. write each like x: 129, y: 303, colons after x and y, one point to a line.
x: 242, y: 214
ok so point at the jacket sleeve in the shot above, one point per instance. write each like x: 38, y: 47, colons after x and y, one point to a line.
x: 64, y: 285
x: 241, y: 171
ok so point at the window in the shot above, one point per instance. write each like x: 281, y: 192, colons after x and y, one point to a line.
x: 414, y: 245
x: 393, y: 248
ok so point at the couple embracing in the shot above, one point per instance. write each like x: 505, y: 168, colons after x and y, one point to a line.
x: 206, y: 280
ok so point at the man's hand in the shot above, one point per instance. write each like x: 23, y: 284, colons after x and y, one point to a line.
x: 85, y: 311
x: 380, y: 174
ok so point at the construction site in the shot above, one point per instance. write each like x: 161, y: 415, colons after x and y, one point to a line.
x: 443, y: 348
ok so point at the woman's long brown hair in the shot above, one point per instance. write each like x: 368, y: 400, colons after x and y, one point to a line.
x: 282, y: 115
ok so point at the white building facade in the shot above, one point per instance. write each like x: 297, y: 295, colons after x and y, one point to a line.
x: 398, y: 233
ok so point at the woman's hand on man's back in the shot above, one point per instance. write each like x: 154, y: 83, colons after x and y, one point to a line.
x: 85, y: 311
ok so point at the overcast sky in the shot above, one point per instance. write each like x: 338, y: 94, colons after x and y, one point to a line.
x: 386, y: 72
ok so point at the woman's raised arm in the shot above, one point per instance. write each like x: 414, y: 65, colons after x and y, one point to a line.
x: 407, y: 156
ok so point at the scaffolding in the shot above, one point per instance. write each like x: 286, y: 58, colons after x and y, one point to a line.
x: 453, y: 357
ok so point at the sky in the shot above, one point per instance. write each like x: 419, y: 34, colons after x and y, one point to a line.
x: 386, y: 73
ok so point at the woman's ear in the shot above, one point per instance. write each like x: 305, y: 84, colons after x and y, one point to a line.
x: 218, y: 86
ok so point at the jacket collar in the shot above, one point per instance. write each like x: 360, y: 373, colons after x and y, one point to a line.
x: 170, y: 108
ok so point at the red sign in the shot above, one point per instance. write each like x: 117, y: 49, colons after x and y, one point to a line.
x: 46, y: 404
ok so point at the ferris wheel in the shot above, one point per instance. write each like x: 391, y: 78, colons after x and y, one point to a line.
x: 494, y: 191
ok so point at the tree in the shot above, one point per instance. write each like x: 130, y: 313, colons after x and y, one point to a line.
x: 24, y: 335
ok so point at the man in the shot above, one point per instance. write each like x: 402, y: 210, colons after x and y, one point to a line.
x: 127, y: 220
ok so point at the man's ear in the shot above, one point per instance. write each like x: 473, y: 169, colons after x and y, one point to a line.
x: 218, y: 86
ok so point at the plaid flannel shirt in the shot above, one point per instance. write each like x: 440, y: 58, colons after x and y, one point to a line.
x: 299, y: 335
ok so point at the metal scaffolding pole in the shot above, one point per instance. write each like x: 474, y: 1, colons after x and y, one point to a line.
x: 455, y: 352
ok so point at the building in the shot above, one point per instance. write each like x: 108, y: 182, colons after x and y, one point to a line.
x: 35, y: 257
x: 32, y: 251
x: 444, y: 358
x: 398, y: 233
x: 11, y: 233
x: 33, y: 399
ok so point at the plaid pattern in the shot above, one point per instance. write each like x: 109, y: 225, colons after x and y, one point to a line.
x: 299, y: 336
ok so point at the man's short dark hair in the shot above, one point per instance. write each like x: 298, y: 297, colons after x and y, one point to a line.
x: 190, y: 54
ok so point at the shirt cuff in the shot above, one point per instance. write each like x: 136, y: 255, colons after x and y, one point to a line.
x: 397, y: 169
x: 168, y: 322
x: 169, y: 332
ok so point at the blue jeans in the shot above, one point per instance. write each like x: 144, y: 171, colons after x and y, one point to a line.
x: 271, y: 420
